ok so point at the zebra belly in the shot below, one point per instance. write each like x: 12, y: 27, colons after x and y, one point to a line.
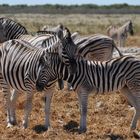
x: 110, y: 88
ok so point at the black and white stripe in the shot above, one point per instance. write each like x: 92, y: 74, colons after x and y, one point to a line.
x: 96, y: 47
x: 19, y: 66
x: 122, y: 73
x: 10, y: 29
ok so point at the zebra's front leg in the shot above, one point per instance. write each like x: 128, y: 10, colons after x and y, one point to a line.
x: 70, y: 88
x: 6, y: 92
x: 83, y: 98
x: 28, y: 108
x: 48, y: 98
x: 60, y: 84
x: 13, y: 100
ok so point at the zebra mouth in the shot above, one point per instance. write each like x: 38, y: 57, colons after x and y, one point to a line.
x: 132, y: 33
x: 39, y: 87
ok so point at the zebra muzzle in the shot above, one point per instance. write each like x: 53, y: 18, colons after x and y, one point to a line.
x: 39, y: 87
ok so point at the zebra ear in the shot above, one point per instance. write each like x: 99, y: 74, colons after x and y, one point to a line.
x: 67, y: 33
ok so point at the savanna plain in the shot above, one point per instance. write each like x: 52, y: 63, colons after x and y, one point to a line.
x: 109, y: 115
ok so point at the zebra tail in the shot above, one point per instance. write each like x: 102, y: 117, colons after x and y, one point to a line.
x: 120, y: 54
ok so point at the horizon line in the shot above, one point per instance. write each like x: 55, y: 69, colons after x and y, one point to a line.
x: 70, y: 4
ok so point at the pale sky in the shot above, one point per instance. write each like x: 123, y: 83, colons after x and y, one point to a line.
x: 69, y: 2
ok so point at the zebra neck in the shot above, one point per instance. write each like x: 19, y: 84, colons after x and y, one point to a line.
x: 60, y: 68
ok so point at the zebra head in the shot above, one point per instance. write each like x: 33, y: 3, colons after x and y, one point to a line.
x: 58, y: 30
x: 129, y: 27
x: 46, y: 72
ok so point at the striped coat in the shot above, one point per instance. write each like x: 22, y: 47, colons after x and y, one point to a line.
x: 121, y: 73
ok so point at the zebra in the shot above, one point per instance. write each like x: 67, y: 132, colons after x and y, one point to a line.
x: 10, y: 29
x: 19, y: 67
x: 122, y: 73
x: 96, y: 47
x: 120, y: 34
x: 58, y: 29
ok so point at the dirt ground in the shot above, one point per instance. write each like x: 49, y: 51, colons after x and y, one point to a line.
x: 109, y: 118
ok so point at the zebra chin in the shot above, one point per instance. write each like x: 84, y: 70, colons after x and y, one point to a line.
x: 40, y: 87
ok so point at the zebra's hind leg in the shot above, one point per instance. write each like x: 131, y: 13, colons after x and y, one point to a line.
x: 13, y: 100
x: 83, y: 99
x: 135, y: 102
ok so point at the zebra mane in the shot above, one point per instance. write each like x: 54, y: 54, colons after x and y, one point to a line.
x: 25, y: 43
x: 46, y: 32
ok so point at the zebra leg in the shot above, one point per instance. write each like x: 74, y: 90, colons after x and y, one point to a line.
x: 28, y: 108
x: 6, y: 93
x: 7, y: 106
x: 83, y: 98
x: 69, y: 86
x: 13, y: 99
x: 135, y: 102
x: 48, y: 97
x: 60, y: 84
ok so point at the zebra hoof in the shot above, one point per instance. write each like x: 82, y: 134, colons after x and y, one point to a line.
x: 14, y: 122
x: 10, y: 125
x: 70, y: 88
x: 25, y: 125
x: 82, y: 130
x: 135, y: 134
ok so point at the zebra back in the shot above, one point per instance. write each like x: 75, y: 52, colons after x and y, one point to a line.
x: 58, y: 29
x: 11, y: 29
x: 96, y: 47
x: 99, y: 76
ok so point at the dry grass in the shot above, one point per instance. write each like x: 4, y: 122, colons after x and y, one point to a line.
x: 108, y: 122
x: 84, y: 24
x: 110, y: 119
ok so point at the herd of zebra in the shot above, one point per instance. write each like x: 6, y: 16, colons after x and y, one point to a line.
x: 30, y: 63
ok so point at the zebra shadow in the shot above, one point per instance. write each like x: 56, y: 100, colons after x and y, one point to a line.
x: 71, y: 126
x: 114, y: 137
x: 39, y: 129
